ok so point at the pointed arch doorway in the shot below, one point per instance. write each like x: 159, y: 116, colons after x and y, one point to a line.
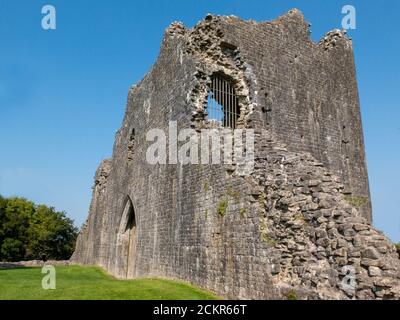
x: 127, y: 240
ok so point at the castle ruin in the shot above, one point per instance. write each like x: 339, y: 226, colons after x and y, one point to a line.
x: 300, y: 223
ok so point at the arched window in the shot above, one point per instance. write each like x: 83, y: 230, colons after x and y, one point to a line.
x: 222, y: 102
x: 129, y: 213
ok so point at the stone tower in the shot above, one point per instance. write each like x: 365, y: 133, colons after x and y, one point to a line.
x: 298, y: 224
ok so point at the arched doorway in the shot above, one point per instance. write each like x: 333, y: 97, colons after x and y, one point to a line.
x: 127, y: 236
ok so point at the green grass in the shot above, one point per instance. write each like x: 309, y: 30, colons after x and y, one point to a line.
x: 89, y: 283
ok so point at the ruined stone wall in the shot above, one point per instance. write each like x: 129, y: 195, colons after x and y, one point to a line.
x: 318, y: 240
x: 307, y: 93
x: 288, y: 228
x: 188, y: 226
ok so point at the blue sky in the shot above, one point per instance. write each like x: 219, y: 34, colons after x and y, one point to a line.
x: 63, y: 92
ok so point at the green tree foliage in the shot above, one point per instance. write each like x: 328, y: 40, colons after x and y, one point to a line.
x: 29, y: 231
x: 12, y: 250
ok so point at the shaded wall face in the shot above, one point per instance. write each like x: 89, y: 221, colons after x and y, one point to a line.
x: 190, y: 219
x: 307, y: 96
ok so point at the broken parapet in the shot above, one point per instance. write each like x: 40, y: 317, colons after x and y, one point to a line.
x: 102, y: 173
x: 176, y: 28
x: 330, y: 40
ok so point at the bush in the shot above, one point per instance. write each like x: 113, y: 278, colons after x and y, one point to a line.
x: 12, y: 250
x: 32, y: 232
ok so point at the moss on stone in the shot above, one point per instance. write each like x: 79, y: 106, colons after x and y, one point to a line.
x: 268, y: 240
x: 291, y: 295
x: 299, y: 217
x: 356, y: 201
x: 221, y: 209
x: 242, y: 212
x: 261, y: 200
x: 206, y: 186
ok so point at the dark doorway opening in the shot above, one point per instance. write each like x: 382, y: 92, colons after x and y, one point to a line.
x: 128, y: 240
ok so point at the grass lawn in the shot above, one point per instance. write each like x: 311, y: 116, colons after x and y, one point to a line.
x: 86, y: 283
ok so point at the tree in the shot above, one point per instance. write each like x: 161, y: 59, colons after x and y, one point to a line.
x: 16, y: 217
x: 29, y: 231
x: 12, y: 250
x: 3, y: 204
x: 52, y: 234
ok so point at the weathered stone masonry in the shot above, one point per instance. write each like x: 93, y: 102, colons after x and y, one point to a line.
x: 297, y: 223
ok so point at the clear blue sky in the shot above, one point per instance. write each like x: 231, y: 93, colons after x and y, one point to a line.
x: 63, y: 92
